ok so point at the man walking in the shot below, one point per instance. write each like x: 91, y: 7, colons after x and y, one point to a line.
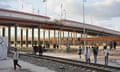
x: 95, y: 53
x: 15, y: 59
x: 106, y: 54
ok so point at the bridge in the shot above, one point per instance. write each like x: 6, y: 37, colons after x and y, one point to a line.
x: 25, y: 21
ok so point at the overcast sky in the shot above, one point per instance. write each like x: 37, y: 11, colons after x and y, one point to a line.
x: 105, y: 13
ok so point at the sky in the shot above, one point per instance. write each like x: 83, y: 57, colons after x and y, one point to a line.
x: 104, y: 13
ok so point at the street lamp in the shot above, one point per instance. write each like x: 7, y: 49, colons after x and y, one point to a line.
x: 84, y: 36
x: 45, y: 1
x: 21, y: 4
x: 83, y: 24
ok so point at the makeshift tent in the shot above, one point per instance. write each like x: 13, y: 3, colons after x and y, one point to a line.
x: 3, y: 47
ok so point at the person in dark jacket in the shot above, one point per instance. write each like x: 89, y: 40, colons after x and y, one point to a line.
x: 40, y: 49
x: 15, y: 59
x: 35, y: 49
x: 95, y: 53
x: 111, y: 45
x: 114, y: 44
x: 80, y: 51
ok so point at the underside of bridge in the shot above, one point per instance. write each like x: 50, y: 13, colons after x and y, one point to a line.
x: 23, y: 32
x: 27, y: 34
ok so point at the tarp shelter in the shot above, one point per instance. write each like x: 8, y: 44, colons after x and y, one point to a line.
x: 3, y: 47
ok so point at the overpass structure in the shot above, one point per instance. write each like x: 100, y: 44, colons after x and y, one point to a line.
x: 26, y: 21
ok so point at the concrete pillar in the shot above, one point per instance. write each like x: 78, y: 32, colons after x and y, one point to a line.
x: 68, y: 44
x: 21, y: 41
x: 15, y: 36
x: 38, y: 36
x: 55, y: 35
x: 86, y: 35
x: 49, y: 35
x: 71, y: 34
x: 27, y: 38
x: 60, y: 39
x: 44, y: 37
x: 63, y: 38
x: 63, y: 35
x: 71, y: 38
x: 68, y: 35
x: 32, y: 36
x: 76, y: 38
x: 81, y: 35
x: 76, y: 35
x: 3, y: 31
x: 9, y: 36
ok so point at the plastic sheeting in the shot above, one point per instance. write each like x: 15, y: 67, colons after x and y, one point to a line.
x: 3, y: 47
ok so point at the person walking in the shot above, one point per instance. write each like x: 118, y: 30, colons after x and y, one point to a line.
x: 40, y: 50
x: 87, y: 54
x: 35, y: 49
x: 106, y: 54
x: 15, y: 59
x: 111, y: 45
x: 114, y: 44
x: 95, y: 53
x: 80, y: 51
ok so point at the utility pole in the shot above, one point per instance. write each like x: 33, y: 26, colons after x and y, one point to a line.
x: 84, y: 42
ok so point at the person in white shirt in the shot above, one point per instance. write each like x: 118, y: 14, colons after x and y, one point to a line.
x: 87, y: 54
x: 106, y: 54
x: 15, y: 59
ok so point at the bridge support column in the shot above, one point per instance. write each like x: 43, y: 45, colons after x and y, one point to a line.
x: 9, y: 36
x: 63, y: 39
x: 3, y: 31
x: 44, y: 37
x: 15, y: 36
x: 81, y: 35
x: 71, y: 38
x: 75, y: 38
x: 68, y: 36
x: 32, y: 36
x: 54, y: 36
x: 68, y: 43
x: 39, y: 36
x: 60, y: 39
x: 21, y: 41
x: 49, y: 36
x: 27, y: 38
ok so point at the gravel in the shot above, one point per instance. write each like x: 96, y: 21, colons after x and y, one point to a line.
x: 58, y: 67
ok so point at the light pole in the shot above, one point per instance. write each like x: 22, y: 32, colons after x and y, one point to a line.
x: 45, y: 1
x: 83, y: 24
x: 84, y: 35
x: 21, y: 4
x: 61, y: 21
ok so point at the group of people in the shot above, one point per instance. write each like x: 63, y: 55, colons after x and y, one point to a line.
x: 95, y: 50
x: 38, y: 49
x: 87, y: 50
x: 55, y: 45
x: 113, y: 44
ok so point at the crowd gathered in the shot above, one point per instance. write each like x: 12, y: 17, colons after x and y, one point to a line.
x: 94, y: 49
x: 87, y: 51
